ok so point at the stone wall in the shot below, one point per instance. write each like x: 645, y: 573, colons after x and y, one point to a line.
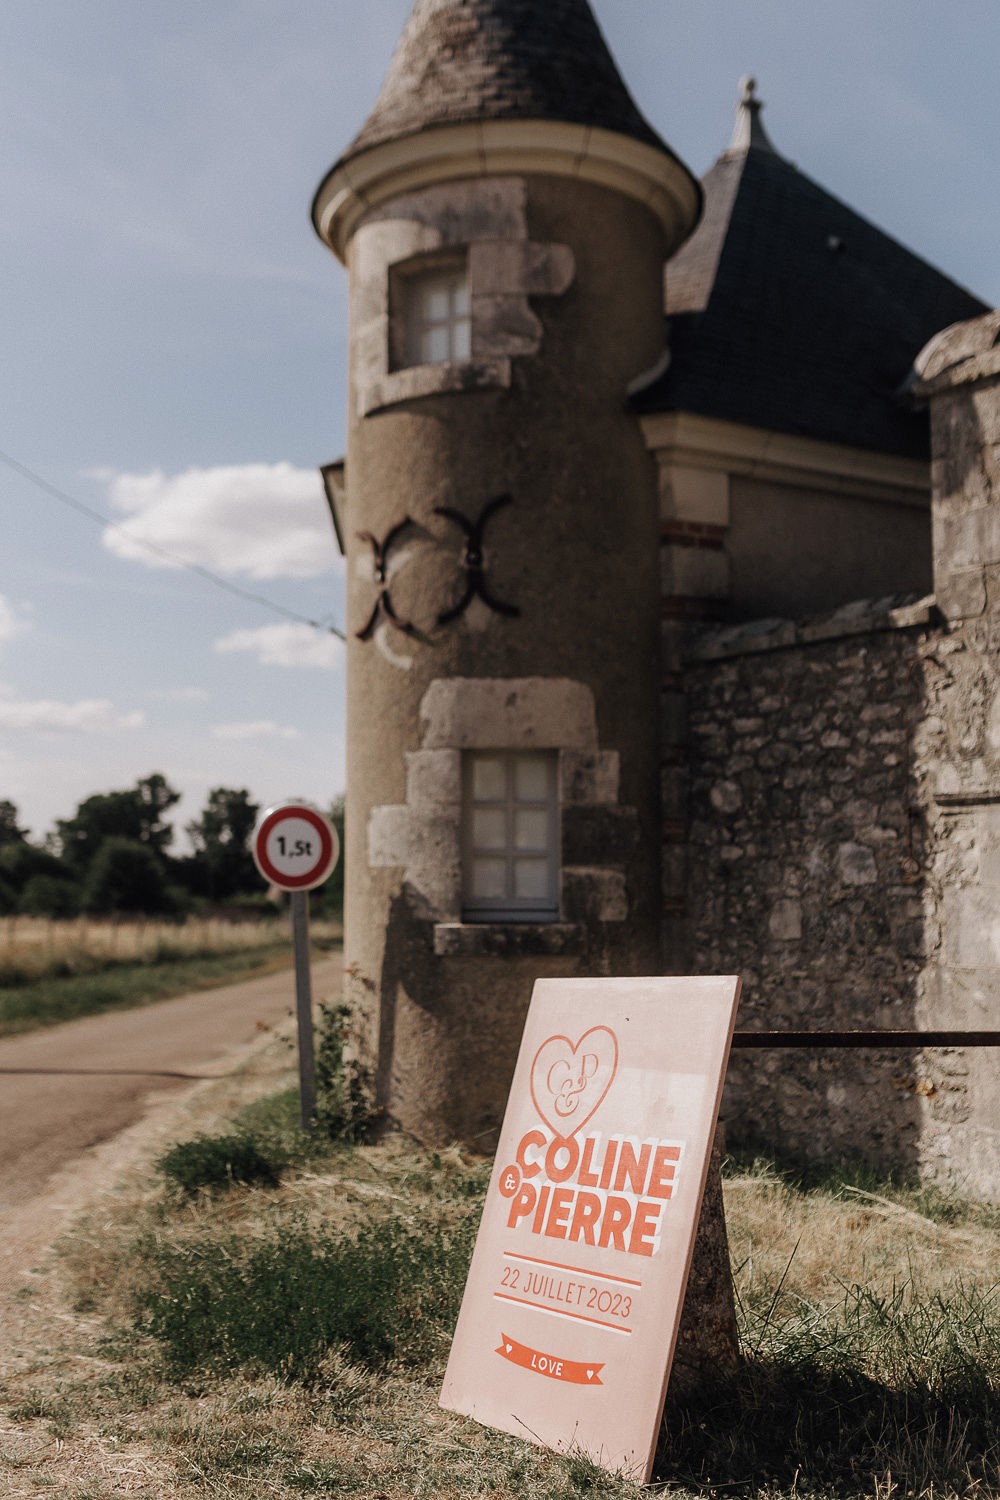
x: 842, y: 786
x: 806, y: 860
x: 959, y: 746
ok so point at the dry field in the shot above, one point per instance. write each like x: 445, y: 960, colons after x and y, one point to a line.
x: 53, y: 971
x: 37, y: 947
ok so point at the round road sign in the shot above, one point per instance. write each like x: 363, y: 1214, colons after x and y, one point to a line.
x: 294, y: 846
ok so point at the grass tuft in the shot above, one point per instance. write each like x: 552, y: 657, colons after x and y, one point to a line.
x: 388, y: 1293
x: 219, y: 1161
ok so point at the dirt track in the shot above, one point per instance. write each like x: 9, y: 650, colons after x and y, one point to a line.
x: 66, y: 1090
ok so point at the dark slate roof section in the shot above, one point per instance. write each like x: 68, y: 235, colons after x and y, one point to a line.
x: 789, y: 311
x: 460, y: 61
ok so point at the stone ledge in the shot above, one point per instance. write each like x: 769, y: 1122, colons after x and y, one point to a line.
x: 434, y: 380
x: 863, y: 617
x: 507, y: 939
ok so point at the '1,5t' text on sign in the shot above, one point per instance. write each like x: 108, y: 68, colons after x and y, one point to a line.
x: 294, y: 846
x: 575, y: 1291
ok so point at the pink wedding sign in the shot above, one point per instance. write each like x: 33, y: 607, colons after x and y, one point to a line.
x: 574, y: 1296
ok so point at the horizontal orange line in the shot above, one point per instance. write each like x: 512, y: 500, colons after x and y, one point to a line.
x: 557, y: 1265
x: 559, y: 1313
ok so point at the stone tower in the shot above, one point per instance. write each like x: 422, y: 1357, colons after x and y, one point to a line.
x: 504, y: 215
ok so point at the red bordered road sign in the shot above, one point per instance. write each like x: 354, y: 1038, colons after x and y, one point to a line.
x: 295, y: 847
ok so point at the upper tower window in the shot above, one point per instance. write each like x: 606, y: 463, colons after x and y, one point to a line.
x: 432, y: 314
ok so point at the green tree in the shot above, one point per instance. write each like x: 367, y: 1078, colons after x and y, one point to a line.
x: 126, y: 876
x: 49, y: 896
x: 223, y: 864
x: 136, y: 815
x: 21, y: 861
x: 10, y: 833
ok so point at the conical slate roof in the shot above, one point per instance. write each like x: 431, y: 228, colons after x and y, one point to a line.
x: 789, y: 311
x: 464, y: 61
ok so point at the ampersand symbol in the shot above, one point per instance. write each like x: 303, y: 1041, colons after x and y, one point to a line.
x: 510, y: 1181
x: 566, y: 1086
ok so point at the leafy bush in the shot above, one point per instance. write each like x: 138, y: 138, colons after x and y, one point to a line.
x: 280, y: 1303
x: 344, y: 1109
x: 125, y: 876
x: 49, y: 896
x: 219, y: 1161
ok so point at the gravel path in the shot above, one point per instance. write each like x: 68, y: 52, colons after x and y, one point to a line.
x: 73, y: 1096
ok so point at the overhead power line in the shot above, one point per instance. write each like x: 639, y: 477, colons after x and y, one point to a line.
x: 162, y: 552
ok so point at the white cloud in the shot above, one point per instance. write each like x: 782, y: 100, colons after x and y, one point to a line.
x: 257, y: 729
x: 86, y: 716
x: 179, y: 695
x: 10, y: 623
x: 286, y: 646
x: 245, y: 520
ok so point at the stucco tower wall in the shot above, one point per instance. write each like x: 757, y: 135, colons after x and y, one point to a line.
x: 538, y: 413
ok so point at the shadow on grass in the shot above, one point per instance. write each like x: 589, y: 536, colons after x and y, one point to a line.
x: 814, y: 1432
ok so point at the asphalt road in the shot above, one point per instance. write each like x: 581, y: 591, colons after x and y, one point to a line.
x: 68, y: 1088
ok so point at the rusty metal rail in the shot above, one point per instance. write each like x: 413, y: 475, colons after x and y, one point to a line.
x: 761, y: 1040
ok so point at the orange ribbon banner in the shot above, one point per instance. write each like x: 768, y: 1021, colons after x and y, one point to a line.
x: 551, y: 1365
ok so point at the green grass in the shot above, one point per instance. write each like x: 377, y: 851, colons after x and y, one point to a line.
x: 123, y: 986
x: 289, y: 1339
x: 387, y: 1293
x: 219, y: 1162
x: 869, y: 1395
x: 891, y: 1395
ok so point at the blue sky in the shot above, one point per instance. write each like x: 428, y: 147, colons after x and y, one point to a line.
x: 173, y: 335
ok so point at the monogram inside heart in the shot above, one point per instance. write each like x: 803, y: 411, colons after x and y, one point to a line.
x: 569, y: 1080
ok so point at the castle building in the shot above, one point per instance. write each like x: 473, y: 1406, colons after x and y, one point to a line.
x: 627, y: 455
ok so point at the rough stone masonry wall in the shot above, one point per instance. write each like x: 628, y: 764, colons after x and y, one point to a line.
x: 959, y: 748
x: 844, y: 833
x: 805, y: 870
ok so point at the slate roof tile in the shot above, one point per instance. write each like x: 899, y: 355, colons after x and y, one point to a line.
x: 789, y: 311
x: 468, y: 60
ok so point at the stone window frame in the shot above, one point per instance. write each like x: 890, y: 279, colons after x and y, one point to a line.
x: 486, y: 224
x: 406, y: 279
x: 477, y: 908
x: 423, y: 835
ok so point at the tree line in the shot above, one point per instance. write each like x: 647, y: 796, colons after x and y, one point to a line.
x: 113, y: 856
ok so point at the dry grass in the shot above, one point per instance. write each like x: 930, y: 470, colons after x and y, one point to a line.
x: 52, y: 971
x: 818, y: 1243
x: 37, y: 947
x: 89, y: 1413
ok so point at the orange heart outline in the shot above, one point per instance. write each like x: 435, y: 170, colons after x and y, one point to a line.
x: 571, y: 1052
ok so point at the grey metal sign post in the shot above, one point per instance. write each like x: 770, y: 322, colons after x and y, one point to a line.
x: 296, y: 848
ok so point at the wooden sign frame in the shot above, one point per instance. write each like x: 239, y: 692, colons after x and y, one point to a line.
x: 573, y: 1302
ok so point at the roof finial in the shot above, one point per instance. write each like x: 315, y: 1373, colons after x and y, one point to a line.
x: 749, y: 130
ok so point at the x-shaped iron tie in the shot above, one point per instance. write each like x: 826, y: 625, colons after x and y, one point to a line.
x: 383, y: 604
x: 472, y: 560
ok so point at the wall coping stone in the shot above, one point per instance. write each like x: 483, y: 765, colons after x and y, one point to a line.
x: 861, y: 617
